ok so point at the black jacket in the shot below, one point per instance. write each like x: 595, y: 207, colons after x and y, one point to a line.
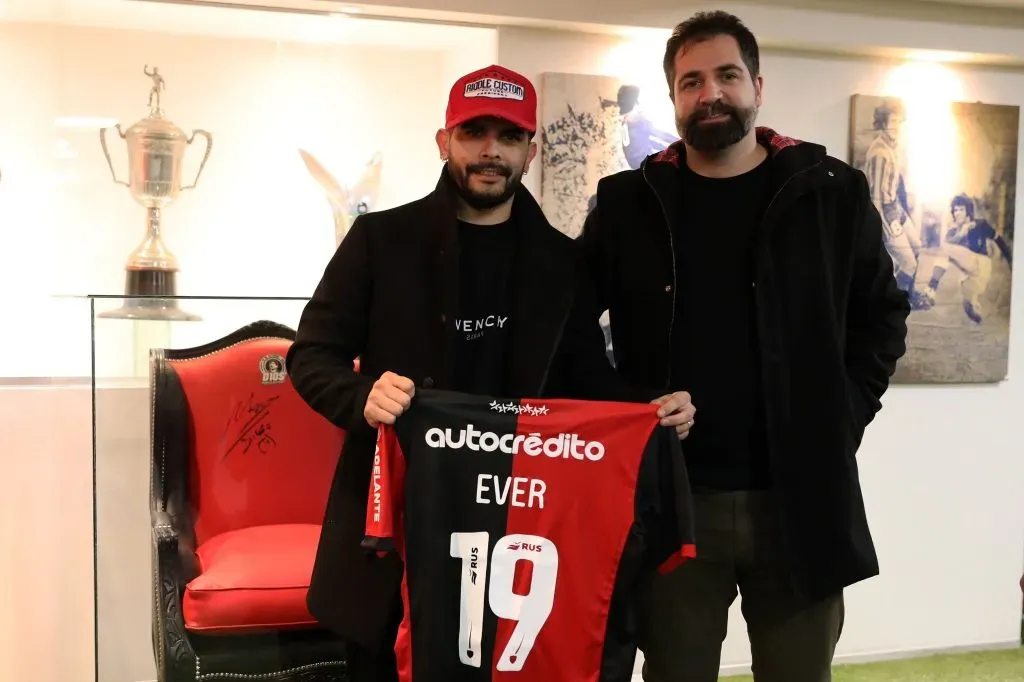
x: 387, y: 297
x: 831, y: 324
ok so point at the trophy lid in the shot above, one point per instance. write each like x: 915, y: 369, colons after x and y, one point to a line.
x: 156, y: 126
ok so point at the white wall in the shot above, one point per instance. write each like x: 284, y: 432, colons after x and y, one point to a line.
x: 46, y: 571
x: 875, y: 26
x: 941, y: 467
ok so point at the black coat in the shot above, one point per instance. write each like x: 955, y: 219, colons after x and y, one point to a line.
x: 387, y: 297
x: 831, y: 325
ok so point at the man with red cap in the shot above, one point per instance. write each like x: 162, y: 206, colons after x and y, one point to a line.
x: 469, y: 288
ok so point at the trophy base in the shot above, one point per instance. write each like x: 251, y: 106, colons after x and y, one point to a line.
x: 148, y: 286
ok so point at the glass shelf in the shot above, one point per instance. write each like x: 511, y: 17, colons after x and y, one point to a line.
x: 124, y: 329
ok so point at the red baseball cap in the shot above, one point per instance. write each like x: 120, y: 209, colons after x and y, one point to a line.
x: 493, y: 91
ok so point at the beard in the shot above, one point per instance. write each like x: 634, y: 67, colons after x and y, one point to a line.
x: 491, y: 195
x: 714, y: 137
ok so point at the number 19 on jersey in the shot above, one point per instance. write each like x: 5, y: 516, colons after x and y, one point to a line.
x: 530, y: 611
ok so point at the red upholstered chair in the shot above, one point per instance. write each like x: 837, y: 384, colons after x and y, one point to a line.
x: 241, y: 469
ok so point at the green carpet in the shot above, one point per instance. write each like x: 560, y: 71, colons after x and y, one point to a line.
x: 988, y: 666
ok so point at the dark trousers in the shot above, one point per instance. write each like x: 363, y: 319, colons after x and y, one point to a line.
x: 367, y: 666
x: 739, y: 551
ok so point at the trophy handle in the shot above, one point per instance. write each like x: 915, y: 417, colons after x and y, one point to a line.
x: 209, y: 144
x: 103, y: 143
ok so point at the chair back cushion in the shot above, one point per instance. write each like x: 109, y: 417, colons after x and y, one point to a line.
x: 258, y: 455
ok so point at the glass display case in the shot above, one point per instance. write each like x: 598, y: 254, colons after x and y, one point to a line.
x: 196, y: 149
x: 144, y: 545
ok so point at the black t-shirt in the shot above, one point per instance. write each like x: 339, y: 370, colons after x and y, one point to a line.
x: 715, y: 345
x: 486, y: 253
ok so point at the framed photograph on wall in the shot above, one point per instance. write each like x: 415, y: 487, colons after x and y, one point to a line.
x: 591, y: 127
x: 943, y: 177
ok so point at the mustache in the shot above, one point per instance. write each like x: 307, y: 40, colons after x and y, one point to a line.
x: 485, y: 167
x: 716, y: 108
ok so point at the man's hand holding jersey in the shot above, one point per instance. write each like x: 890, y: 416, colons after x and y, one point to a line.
x: 676, y: 409
x: 388, y: 399
x: 392, y: 394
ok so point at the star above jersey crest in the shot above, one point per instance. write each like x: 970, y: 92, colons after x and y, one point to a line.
x: 514, y: 408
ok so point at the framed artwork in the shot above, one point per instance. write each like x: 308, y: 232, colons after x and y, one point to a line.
x: 944, y: 180
x: 593, y: 126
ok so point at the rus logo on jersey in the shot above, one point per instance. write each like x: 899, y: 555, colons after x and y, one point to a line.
x: 564, y: 445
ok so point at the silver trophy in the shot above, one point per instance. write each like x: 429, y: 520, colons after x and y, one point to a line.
x: 155, y: 150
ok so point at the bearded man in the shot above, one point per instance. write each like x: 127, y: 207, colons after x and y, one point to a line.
x: 468, y: 289
x: 749, y: 269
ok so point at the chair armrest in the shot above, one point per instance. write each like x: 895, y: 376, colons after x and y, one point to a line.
x: 174, y: 655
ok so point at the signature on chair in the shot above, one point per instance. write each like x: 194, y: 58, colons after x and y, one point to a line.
x: 249, y: 425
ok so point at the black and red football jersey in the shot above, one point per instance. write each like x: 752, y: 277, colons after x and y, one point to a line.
x: 524, y: 527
